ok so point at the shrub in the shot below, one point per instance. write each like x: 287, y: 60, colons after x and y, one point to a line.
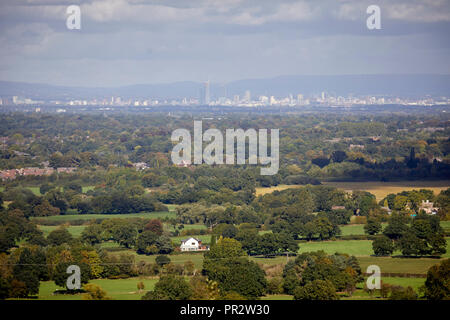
x: 316, y: 290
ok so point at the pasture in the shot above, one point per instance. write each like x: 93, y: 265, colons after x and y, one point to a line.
x: 119, y: 289
x: 75, y: 231
x: 147, y: 215
x: 351, y: 247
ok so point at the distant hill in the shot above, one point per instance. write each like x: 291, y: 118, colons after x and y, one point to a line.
x: 396, y: 85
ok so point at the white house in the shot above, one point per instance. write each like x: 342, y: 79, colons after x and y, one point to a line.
x: 192, y: 244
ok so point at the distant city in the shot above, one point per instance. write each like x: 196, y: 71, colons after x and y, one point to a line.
x: 245, y: 100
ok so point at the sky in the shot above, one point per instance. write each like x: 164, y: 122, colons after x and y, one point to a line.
x: 124, y: 42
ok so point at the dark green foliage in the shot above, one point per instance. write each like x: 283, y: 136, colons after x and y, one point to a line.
x: 372, y: 227
x: 401, y: 293
x: 437, y: 285
x: 27, y: 272
x: 169, y: 287
x: 316, y: 290
x: 341, y: 270
x: 92, y: 234
x: 59, y: 236
x: 383, y: 246
x: 162, y: 260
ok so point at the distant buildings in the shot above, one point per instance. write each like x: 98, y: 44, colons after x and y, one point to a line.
x: 245, y: 100
x: 428, y: 207
x: 33, y: 171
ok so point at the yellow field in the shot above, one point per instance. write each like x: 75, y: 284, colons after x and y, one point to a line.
x: 264, y: 190
x: 378, y: 188
x: 382, y: 189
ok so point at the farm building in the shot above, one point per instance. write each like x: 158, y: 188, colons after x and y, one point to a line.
x: 192, y: 244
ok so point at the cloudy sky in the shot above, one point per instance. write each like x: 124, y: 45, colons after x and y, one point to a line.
x: 136, y: 41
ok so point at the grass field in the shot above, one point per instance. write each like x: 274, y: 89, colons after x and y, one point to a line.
x: 352, y: 247
x: 74, y: 230
x: 120, y: 289
x: 196, y: 258
x: 399, y: 265
x: 358, y: 229
x: 150, y: 215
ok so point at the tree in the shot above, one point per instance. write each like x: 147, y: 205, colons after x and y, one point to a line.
x: 225, y: 248
x: 125, y: 234
x: 155, y: 226
x: 25, y: 271
x: 45, y: 187
x: 162, y: 260
x: 324, y: 228
x: 5, y: 287
x: 203, y: 289
x: 94, y: 292
x: 227, y: 264
x: 170, y: 287
x: 372, y: 227
x: 338, y: 156
x: 140, y: 286
x: 401, y: 293
x: 316, y: 290
x: 437, y: 284
x: 92, y: 234
x: 73, y: 186
x: 383, y: 246
x: 146, y: 243
x: 411, y: 245
x: 59, y: 236
x: 321, y: 162
x: 45, y: 209
x: 396, y: 227
x: 189, y: 267
x: 239, y: 275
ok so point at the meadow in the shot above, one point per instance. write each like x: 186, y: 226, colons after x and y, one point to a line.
x: 149, y: 215
x: 119, y: 289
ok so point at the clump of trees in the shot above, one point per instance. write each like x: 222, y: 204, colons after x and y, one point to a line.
x: 316, y: 275
x: 421, y: 235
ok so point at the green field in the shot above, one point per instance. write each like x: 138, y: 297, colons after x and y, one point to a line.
x: 120, y: 289
x: 196, y: 258
x: 149, y: 215
x: 351, y: 247
x: 358, y: 229
x: 352, y: 229
x: 399, y: 265
x: 75, y: 231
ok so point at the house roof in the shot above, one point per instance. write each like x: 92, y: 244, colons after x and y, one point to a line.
x: 198, y: 240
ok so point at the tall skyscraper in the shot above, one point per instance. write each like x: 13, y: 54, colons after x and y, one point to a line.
x: 247, y: 96
x: 207, y: 96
